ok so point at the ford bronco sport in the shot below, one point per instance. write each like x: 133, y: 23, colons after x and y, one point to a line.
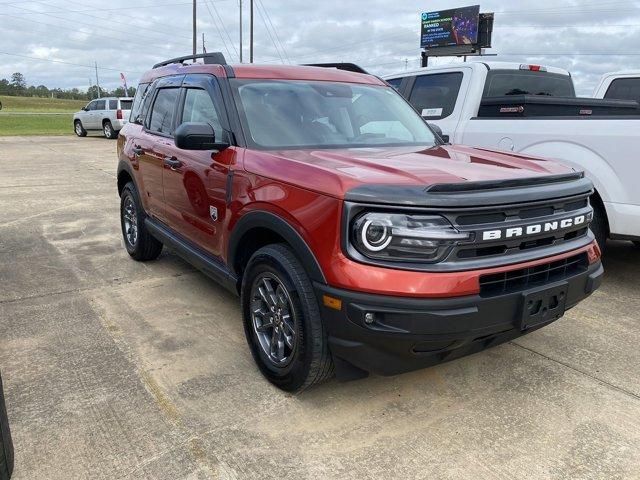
x: 357, y: 240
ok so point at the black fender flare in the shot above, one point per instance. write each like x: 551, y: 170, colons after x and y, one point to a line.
x: 124, y: 166
x: 275, y: 223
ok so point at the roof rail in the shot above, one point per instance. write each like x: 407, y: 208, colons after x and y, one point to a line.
x: 349, y: 67
x: 213, y: 58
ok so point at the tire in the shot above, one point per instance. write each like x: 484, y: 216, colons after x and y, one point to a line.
x: 600, y: 226
x: 6, y: 445
x: 108, y: 131
x: 79, y: 129
x: 303, y: 358
x: 140, y: 244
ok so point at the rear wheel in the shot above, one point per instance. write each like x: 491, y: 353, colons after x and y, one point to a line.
x: 140, y: 244
x: 282, y: 320
x: 109, y: 132
x: 79, y: 129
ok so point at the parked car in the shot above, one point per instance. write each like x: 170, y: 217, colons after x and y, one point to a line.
x: 356, y: 239
x: 107, y: 115
x: 532, y: 110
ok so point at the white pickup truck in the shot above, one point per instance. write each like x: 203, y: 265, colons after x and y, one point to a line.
x: 533, y: 110
x: 619, y: 86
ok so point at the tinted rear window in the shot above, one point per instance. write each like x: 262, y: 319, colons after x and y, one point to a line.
x: 136, y: 108
x: 624, y: 89
x: 434, y: 96
x: 524, y: 82
x: 126, y: 104
x: 113, y: 104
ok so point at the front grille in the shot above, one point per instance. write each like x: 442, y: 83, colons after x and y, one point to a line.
x: 500, y: 218
x: 524, y: 278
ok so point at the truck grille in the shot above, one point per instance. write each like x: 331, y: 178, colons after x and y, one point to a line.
x: 519, y: 216
x: 524, y: 278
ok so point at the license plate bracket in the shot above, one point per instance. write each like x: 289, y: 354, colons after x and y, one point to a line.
x: 543, y: 305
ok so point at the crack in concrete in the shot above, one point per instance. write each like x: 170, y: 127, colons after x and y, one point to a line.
x: 582, y: 372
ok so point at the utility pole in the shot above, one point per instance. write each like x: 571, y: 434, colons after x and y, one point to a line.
x: 90, y: 85
x: 98, y: 81
x: 240, y: 31
x: 204, y: 49
x: 195, y: 46
x: 250, y: 31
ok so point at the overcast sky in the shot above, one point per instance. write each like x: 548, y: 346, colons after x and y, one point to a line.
x: 586, y: 37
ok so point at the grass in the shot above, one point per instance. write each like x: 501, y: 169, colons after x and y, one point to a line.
x: 37, y: 105
x: 35, y: 124
x: 23, y: 115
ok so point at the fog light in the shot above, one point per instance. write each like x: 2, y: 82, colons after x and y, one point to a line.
x: 369, y: 318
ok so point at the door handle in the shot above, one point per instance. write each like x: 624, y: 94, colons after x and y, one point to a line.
x: 172, y: 162
x: 137, y: 150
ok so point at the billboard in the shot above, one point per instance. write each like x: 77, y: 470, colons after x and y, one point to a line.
x: 449, y: 28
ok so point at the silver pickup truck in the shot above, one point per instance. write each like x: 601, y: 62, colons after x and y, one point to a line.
x: 108, y: 115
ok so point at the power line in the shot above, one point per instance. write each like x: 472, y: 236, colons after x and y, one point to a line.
x: 215, y: 24
x: 264, y: 21
x: 224, y: 28
x: 275, y: 31
x: 110, y: 20
x: 76, y: 30
x: 50, y: 60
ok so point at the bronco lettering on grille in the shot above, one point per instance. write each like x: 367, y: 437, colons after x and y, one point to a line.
x: 535, y: 229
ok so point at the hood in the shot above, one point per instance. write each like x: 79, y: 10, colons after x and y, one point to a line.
x: 334, y: 172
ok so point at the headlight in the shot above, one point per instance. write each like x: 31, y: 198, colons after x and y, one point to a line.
x: 404, y: 237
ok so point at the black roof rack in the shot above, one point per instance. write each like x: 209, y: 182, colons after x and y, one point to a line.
x: 213, y: 58
x: 349, y: 67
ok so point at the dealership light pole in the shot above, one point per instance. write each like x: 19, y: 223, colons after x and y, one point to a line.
x: 240, y: 31
x: 250, y: 31
x: 98, y: 81
x: 194, y: 28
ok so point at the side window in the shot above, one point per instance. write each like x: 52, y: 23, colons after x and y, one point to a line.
x: 624, y: 89
x: 434, y: 96
x: 395, y: 83
x: 113, y: 104
x: 138, y: 100
x: 199, y: 107
x: 161, y: 120
x: 91, y: 106
x: 100, y: 104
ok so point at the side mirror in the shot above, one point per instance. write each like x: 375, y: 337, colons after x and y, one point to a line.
x: 438, y: 131
x: 197, y: 136
x: 85, y: 109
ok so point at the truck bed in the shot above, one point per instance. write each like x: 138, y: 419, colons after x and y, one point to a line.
x: 528, y: 106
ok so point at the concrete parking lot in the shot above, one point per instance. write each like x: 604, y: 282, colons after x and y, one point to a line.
x: 118, y: 369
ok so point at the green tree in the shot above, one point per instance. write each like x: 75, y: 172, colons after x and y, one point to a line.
x: 18, y: 83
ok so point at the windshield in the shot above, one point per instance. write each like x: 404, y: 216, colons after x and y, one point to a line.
x: 302, y: 114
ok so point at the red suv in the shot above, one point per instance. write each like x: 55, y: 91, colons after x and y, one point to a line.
x: 357, y: 240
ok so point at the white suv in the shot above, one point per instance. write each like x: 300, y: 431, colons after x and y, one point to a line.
x: 108, y: 115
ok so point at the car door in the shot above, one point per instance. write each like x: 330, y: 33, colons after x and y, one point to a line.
x: 195, y: 185
x: 97, y: 114
x: 85, y: 115
x: 155, y: 142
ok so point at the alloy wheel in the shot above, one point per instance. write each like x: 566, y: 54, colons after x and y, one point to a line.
x: 273, y: 319
x: 130, y: 218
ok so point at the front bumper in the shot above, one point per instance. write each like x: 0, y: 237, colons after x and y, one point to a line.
x: 412, y: 333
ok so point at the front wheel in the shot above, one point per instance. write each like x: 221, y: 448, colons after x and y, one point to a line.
x: 79, y: 129
x: 282, y: 320
x: 599, y: 226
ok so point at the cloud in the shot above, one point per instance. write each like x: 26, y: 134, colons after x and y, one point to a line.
x: 586, y: 37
